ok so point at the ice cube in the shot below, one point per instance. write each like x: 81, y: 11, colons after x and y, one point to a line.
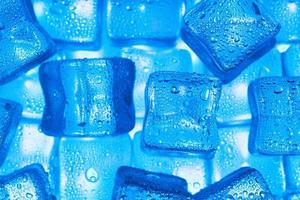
x: 229, y: 35
x: 144, y: 19
x: 87, y: 166
x: 133, y: 183
x: 244, y: 183
x: 89, y: 97
x: 23, y: 43
x: 75, y: 21
x: 180, y: 112
x: 31, y: 182
x: 274, y: 103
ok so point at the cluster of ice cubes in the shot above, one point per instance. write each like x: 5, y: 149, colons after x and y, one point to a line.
x: 78, y: 147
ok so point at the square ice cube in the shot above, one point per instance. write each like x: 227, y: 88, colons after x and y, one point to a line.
x: 23, y: 43
x: 132, y: 183
x: 274, y: 103
x: 229, y: 35
x: 144, y: 19
x: 88, y: 97
x: 30, y: 182
x: 244, y: 183
x: 75, y: 21
x: 180, y: 112
x: 87, y: 166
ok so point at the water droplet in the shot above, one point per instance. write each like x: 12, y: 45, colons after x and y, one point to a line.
x: 72, y: 7
x: 196, y: 185
x: 202, y: 15
x: 205, y: 94
x: 213, y: 40
x: 278, y: 90
x: 29, y: 195
x: 251, y: 195
x: 174, y: 90
x: 146, y: 69
x: 262, y: 194
x: 128, y: 8
x: 91, y: 175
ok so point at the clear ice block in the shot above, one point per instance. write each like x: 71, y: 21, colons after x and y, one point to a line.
x: 23, y: 43
x: 229, y: 35
x: 274, y: 103
x: 132, y: 183
x: 144, y: 19
x: 180, y: 112
x: 89, y: 97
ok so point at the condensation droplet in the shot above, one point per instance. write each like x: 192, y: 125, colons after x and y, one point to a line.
x: 91, y: 175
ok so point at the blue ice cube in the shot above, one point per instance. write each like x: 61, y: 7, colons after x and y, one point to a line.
x: 291, y: 60
x: 23, y: 43
x: 233, y: 105
x: 180, y: 112
x: 133, y: 183
x: 10, y: 114
x: 233, y: 154
x: 287, y: 13
x: 244, y: 183
x: 149, y: 61
x: 292, y: 171
x: 144, y: 19
x: 31, y: 182
x: 274, y: 103
x: 229, y: 35
x: 87, y: 166
x: 196, y: 171
x: 69, y: 21
x: 89, y: 97
x: 28, y: 146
